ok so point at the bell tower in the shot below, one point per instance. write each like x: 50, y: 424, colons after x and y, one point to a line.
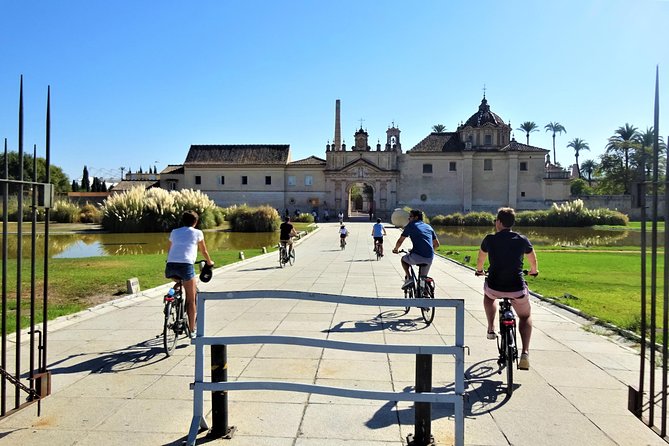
x: 393, y: 138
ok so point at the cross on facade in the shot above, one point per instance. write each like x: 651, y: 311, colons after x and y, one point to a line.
x: 484, y: 91
x: 361, y: 121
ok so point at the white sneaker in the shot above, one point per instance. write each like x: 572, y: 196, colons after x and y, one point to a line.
x: 193, y: 334
x: 408, y: 283
x: 524, y: 363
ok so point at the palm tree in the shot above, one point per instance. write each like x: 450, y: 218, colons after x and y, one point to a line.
x: 438, y: 128
x: 528, y: 127
x: 554, y: 127
x: 578, y: 144
x: 624, y: 139
x: 646, y: 139
x: 588, y: 167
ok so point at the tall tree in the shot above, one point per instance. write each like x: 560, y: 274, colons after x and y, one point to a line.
x: 622, y: 142
x: 588, y: 167
x: 528, y: 127
x: 439, y: 128
x: 75, y: 186
x: 85, y: 181
x: 646, y: 140
x: 555, y: 127
x: 578, y: 144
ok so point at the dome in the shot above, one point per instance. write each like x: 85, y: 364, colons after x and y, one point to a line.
x: 484, y: 116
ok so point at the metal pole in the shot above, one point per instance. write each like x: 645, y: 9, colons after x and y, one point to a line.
x: 423, y: 411
x: 47, y: 217
x: 219, y: 399
x: 33, y: 255
x: 5, y: 223
x: 19, y: 253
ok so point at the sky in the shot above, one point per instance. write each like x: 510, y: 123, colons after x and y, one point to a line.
x: 135, y: 82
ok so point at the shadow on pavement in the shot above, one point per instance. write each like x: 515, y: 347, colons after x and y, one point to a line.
x: 128, y: 358
x: 483, y: 396
x: 379, y: 322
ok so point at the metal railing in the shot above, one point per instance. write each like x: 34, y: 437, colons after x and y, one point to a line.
x: 32, y: 195
x: 423, y: 397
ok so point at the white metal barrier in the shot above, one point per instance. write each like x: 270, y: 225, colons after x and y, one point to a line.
x: 423, y: 356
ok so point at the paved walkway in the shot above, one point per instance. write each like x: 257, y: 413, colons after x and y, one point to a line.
x: 113, y: 385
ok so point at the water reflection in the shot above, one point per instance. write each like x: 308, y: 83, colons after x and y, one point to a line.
x: 95, y: 245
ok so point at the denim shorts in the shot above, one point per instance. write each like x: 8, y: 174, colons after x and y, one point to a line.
x: 183, y: 271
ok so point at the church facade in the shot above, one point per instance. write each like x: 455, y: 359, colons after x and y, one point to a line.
x: 479, y: 167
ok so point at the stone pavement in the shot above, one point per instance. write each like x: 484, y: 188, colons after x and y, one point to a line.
x: 113, y: 385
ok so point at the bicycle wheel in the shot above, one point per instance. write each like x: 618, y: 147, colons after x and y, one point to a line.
x: 378, y: 252
x: 291, y: 257
x: 510, y: 359
x: 282, y: 256
x: 428, y: 312
x: 408, y: 294
x: 170, y: 328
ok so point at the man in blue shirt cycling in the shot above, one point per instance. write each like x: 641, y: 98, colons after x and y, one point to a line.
x: 378, y: 231
x: 424, y: 242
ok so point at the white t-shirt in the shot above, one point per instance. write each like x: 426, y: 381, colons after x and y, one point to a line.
x: 343, y: 231
x: 184, y: 245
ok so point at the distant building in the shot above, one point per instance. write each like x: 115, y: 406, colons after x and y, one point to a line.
x: 479, y: 167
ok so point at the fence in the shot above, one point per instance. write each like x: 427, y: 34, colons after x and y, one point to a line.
x: 423, y: 397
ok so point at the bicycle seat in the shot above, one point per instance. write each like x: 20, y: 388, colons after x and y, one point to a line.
x: 175, y: 278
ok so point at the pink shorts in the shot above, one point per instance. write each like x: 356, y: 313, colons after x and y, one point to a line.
x: 520, y: 300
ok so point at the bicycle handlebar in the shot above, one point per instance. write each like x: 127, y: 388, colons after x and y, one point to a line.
x: 525, y: 272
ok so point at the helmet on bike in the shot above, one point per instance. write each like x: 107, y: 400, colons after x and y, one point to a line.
x: 206, y: 273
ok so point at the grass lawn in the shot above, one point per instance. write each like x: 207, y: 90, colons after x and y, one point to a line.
x: 604, y: 283
x: 77, y: 284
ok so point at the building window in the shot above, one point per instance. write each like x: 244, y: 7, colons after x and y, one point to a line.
x: 308, y: 180
x: 292, y: 181
x: 487, y: 164
x: 522, y: 194
x: 245, y: 179
x: 523, y: 166
x: 222, y: 179
x: 172, y: 185
x: 198, y: 179
x: 488, y: 140
x: 268, y: 180
x: 427, y: 168
x: 452, y: 166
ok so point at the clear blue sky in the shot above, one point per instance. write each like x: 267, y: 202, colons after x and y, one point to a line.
x: 135, y: 83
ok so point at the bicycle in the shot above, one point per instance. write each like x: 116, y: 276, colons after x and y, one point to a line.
x: 342, y: 243
x: 378, y: 250
x: 422, y: 286
x: 176, y: 322
x: 507, y: 345
x: 284, y: 257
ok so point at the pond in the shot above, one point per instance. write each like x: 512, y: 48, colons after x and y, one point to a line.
x: 101, y: 244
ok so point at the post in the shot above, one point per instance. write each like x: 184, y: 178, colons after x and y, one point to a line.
x: 423, y: 411
x: 219, y: 399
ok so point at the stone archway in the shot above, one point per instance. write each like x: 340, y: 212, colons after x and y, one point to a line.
x: 361, y: 199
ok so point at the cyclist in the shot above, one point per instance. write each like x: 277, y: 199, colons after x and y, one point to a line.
x: 341, y: 217
x: 424, y: 242
x: 505, y: 250
x: 343, y: 233
x: 378, y: 231
x: 184, y: 243
x: 287, y: 232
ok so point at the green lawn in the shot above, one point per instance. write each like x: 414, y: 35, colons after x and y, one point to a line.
x: 604, y: 283
x: 77, y: 284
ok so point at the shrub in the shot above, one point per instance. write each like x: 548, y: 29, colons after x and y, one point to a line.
x: 155, y: 210
x: 90, y: 213
x: 64, y: 211
x: 456, y: 219
x: 303, y: 218
x: 438, y: 220
x: 479, y: 219
x: 259, y: 219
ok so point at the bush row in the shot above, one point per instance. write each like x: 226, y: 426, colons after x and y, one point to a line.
x: 252, y: 219
x: 62, y: 211
x: 157, y: 210
x: 573, y: 214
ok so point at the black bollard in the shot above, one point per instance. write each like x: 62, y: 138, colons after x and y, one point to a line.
x: 219, y: 399
x: 423, y: 411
